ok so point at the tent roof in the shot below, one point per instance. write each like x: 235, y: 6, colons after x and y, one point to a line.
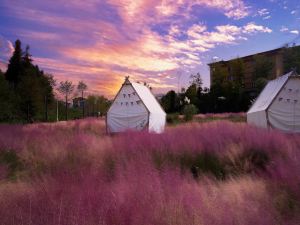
x: 148, y: 98
x: 268, y: 94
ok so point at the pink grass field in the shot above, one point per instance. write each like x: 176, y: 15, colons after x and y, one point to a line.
x: 198, y: 173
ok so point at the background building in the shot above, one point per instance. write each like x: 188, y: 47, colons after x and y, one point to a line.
x: 249, y: 67
x: 78, y: 102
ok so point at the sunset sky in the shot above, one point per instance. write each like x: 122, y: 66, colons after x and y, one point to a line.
x: 157, y: 41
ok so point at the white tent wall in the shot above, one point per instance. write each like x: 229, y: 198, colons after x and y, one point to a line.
x: 284, y: 112
x: 157, y: 123
x: 147, y: 97
x: 258, y: 119
x: 267, y: 95
x: 157, y: 117
x: 278, y: 105
x: 127, y: 111
x: 135, y: 108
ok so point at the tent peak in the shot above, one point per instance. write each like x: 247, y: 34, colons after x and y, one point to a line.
x: 294, y: 72
x: 126, y: 80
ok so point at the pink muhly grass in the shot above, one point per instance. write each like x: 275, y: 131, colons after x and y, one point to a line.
x: 72, y: 173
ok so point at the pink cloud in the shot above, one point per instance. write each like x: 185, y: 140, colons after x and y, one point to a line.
x: 6, y: 50
x: 102, y: 49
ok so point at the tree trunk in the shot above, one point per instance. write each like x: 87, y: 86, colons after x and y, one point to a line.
x: 66, y: 107
x: 83, y: 104
x: 28, y: 119
x: 93, y: 110
x: 57, y: 110
x: 46, y: 109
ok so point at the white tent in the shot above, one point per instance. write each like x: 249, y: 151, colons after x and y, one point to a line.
x: 278, y: 105
x: 135, y: 108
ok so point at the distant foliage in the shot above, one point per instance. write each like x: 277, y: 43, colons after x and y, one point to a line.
x: 96, y: 105
x: 227, y: 92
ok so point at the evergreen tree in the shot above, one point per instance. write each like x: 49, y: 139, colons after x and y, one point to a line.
x: 32, y: 89
x: 7, y: 101
x: 15, y: 67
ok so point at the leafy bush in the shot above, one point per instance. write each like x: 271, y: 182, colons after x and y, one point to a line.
x: 189, y: 111
x: 173, y: 118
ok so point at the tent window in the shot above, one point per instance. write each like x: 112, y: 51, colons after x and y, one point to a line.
x: 121, y: 103
x: 290, y: 90
x: 133, y: 93
x: 126, y: 103
x: 129, y: 95
x: 280, y: 99
x: 124, y: 95
x: 288, y: 100
x: 131, y: 103
x: 295, y: 101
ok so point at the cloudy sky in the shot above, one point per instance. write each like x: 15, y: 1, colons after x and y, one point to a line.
x: 158, y: 41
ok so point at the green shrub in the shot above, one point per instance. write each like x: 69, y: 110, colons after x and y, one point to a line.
x: 189, y: 111
x: 173, y: 118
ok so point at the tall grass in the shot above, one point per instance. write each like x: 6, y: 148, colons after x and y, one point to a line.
x: 210, y: 173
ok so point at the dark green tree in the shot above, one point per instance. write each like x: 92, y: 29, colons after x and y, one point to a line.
x: 291, y: 59
x: 263, y: 68
x: 32, y: 89
x: 7, y: 101
x: 81, y: 87
x: 218, y: 88
x: 102, y: 105
x: 196, y: 79
x: 192, y: 94
x: 35, y: 90
x: 189, y: 111
x: 15, y: 66
x: 171, y: 102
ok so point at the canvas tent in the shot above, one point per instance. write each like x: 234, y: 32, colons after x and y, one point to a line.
x: 278, y: 105
x: 135, y: 108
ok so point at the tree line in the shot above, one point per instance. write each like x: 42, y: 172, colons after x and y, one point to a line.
x: 27, y: 93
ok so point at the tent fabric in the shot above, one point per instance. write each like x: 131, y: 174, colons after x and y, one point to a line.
x: 148, y: 99
x: 278, y: 105
x: 284, y: 113
x: 135, y: 108
x: 268, y: 94
x: 258, y: 118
